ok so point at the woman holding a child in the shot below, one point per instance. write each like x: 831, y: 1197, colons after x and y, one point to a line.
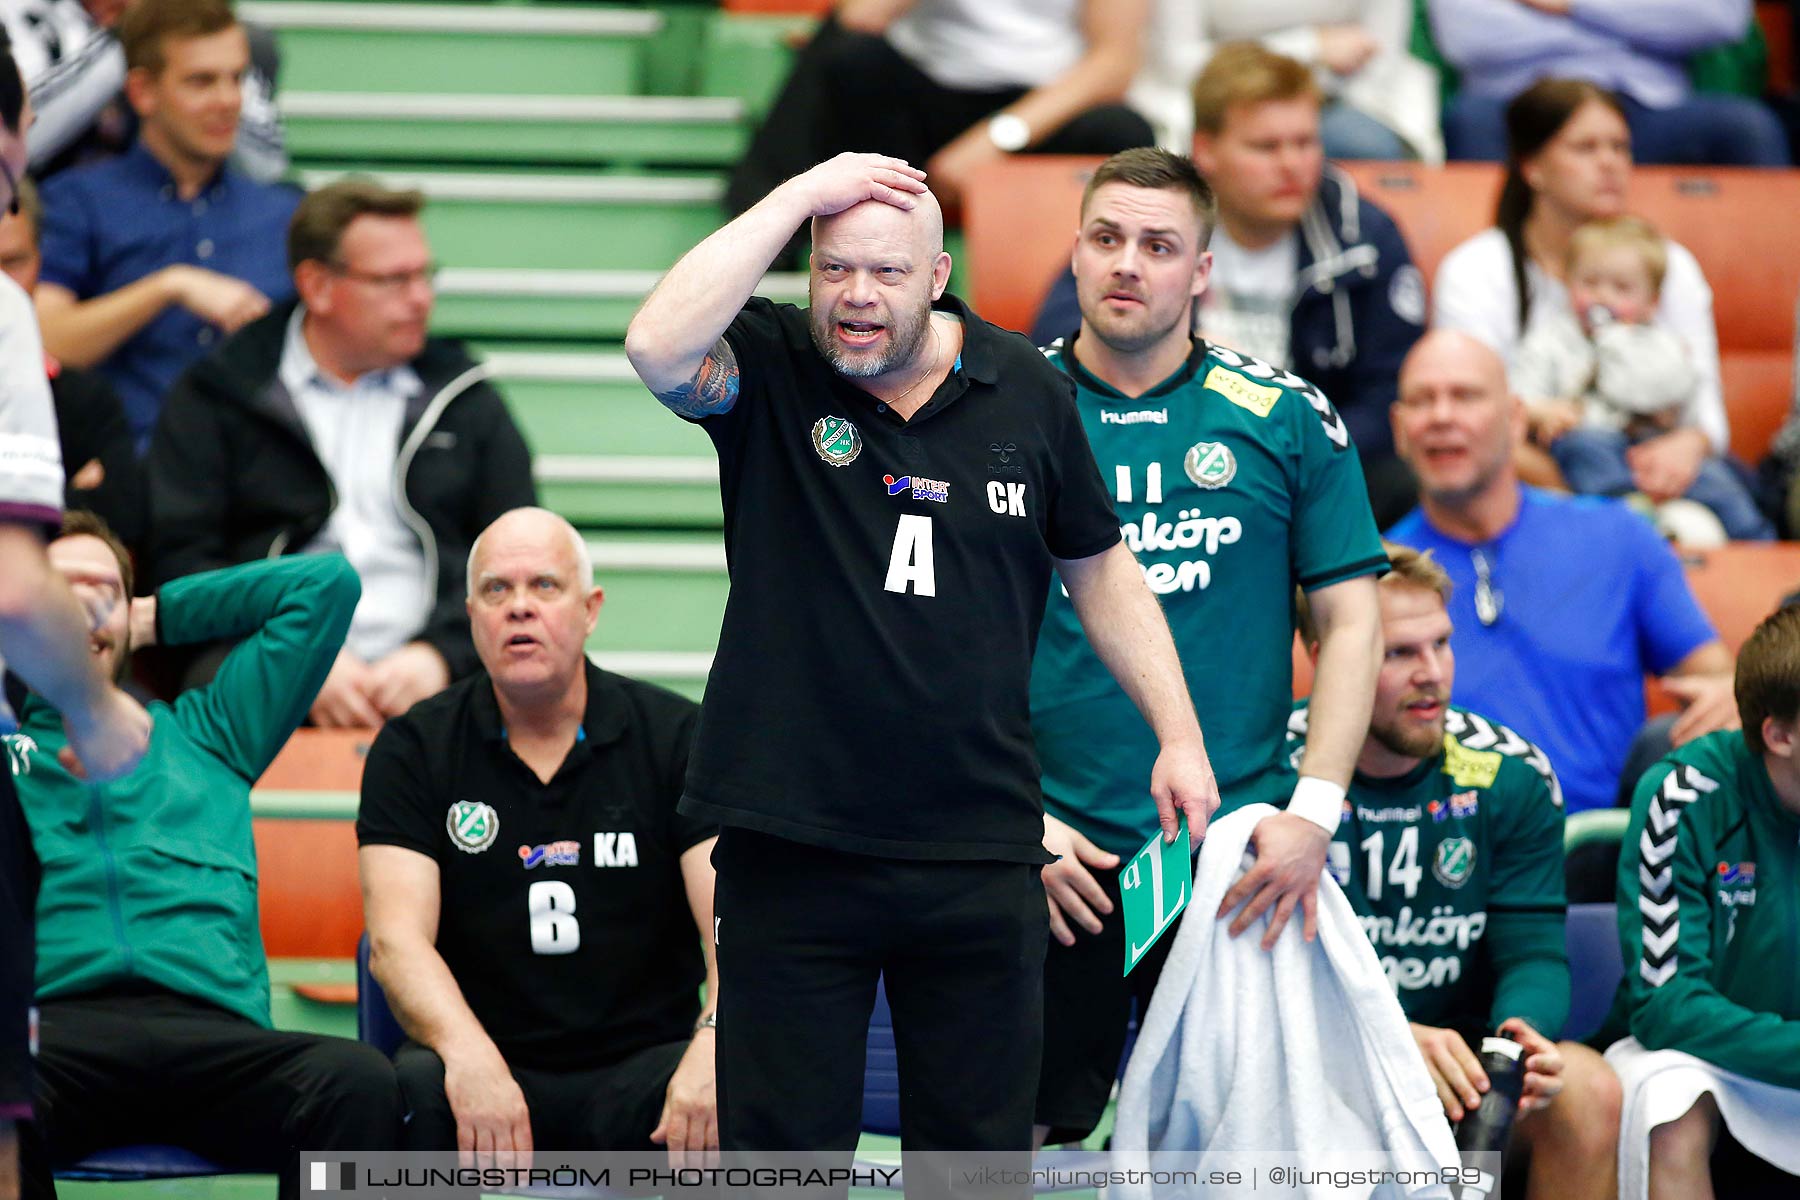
x: 1606, y: 327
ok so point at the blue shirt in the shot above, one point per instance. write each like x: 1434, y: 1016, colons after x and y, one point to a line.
x: 1592, y: 600
x: 113, y: 223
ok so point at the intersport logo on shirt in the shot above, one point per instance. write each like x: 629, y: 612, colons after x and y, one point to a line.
x: 1142, y: 416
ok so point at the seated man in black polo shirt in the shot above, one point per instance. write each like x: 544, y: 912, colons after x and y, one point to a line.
x: 538, y: 913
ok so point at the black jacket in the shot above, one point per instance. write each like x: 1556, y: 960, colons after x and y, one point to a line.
x: 233, y: 475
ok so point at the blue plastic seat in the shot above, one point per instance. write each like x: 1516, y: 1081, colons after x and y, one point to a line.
x: 1596, y: 965
x: 130, y: 1164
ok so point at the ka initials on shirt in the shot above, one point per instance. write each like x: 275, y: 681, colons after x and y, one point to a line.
x: 1241, y: 392
x: 615, y: 850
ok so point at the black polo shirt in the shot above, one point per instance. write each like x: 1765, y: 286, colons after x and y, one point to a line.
x: 887, y: 582
x: 563, y: 914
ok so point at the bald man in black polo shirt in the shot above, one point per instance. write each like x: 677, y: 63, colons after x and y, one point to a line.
x: 536, y: 907
x: 899, y: 478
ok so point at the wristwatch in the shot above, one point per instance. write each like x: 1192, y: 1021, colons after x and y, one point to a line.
x: 1010, y: 133
x: 709, y: 1021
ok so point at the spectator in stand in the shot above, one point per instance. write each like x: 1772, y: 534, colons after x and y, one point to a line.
x: 951, y: 85
x: 1307, y: 275
x: 335, y: 424
x: 1570, y: 162
x: 102, y: 470
x: 1562, y: 605
x: 1606, y: 376
x: 150, y: 259
x: 1636, y: 49
x: 1380, y: 101
x: 74, y: 67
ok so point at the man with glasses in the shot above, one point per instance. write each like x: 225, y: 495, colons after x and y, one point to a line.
x: 153, y: 258
x: 1562, y: 606
x: 336, y: 424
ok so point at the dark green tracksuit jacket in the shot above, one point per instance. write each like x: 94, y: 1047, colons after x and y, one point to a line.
x: 1709, y: 906
x: 152, y: 879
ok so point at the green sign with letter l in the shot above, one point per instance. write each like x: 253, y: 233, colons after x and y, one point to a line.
x: 1154, y: 887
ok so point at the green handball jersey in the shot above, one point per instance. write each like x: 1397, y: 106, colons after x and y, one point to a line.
x: 1234, y: 481
x: 1709, y: 909
x: 1456, y: 872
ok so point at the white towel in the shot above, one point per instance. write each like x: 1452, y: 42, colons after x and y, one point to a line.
x: 1661, y: 1085
x: 1301, y: 1049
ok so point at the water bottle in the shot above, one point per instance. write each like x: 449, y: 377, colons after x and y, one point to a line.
x: 1489, y: 1126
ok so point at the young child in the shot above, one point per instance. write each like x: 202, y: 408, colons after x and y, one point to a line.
x: 1604, y: 377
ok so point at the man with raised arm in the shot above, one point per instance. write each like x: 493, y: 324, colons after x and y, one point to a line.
x: 44, y: 634
x: 899, y: 479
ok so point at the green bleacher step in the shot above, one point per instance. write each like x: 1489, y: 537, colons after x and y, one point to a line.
x: 630, y: 491
x: 576, y: 403
x: 558, y: 221
x: 664, y: 594
x: 492, y: 49
x: 495, y: 303
x: 684, y: 673
x: 465, y: 127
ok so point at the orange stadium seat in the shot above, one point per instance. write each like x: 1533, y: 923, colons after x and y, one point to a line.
x: 1436, y: 208
x: 1741, y: 583
x: 1019, y: 219
x: 1020, y: 214
x: 310, y: 897
x: 319, y: 760
x: 307, y: 886
x: 1738, y: 223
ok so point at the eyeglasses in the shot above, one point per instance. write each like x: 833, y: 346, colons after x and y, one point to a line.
x: 12, y: 186
x: 392, y: 281
x: 1490, y: 602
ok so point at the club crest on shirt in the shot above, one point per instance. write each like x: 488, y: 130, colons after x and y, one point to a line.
x: 1454, y: 861
x: 472, y: 825
x: 836, y: 441
x: 1210, y: 465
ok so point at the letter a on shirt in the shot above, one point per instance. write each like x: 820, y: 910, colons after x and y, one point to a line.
x: 911, y: 562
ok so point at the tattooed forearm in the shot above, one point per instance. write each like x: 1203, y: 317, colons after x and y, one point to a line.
x: 712, y: 390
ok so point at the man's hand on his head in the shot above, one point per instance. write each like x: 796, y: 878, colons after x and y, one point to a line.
x: 849, y: 179
x: 346, y: 701
x: 410, y: 674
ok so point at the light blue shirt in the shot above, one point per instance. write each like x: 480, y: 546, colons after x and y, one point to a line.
x: 1638, y: 48
x: 355, y: 431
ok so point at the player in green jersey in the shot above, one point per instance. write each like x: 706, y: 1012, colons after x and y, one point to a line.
x: 1450, y: 851
x: 1234, y: 482
x: 1708, y: 906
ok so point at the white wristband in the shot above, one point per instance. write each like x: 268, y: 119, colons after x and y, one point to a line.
x: 1319, y: 801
